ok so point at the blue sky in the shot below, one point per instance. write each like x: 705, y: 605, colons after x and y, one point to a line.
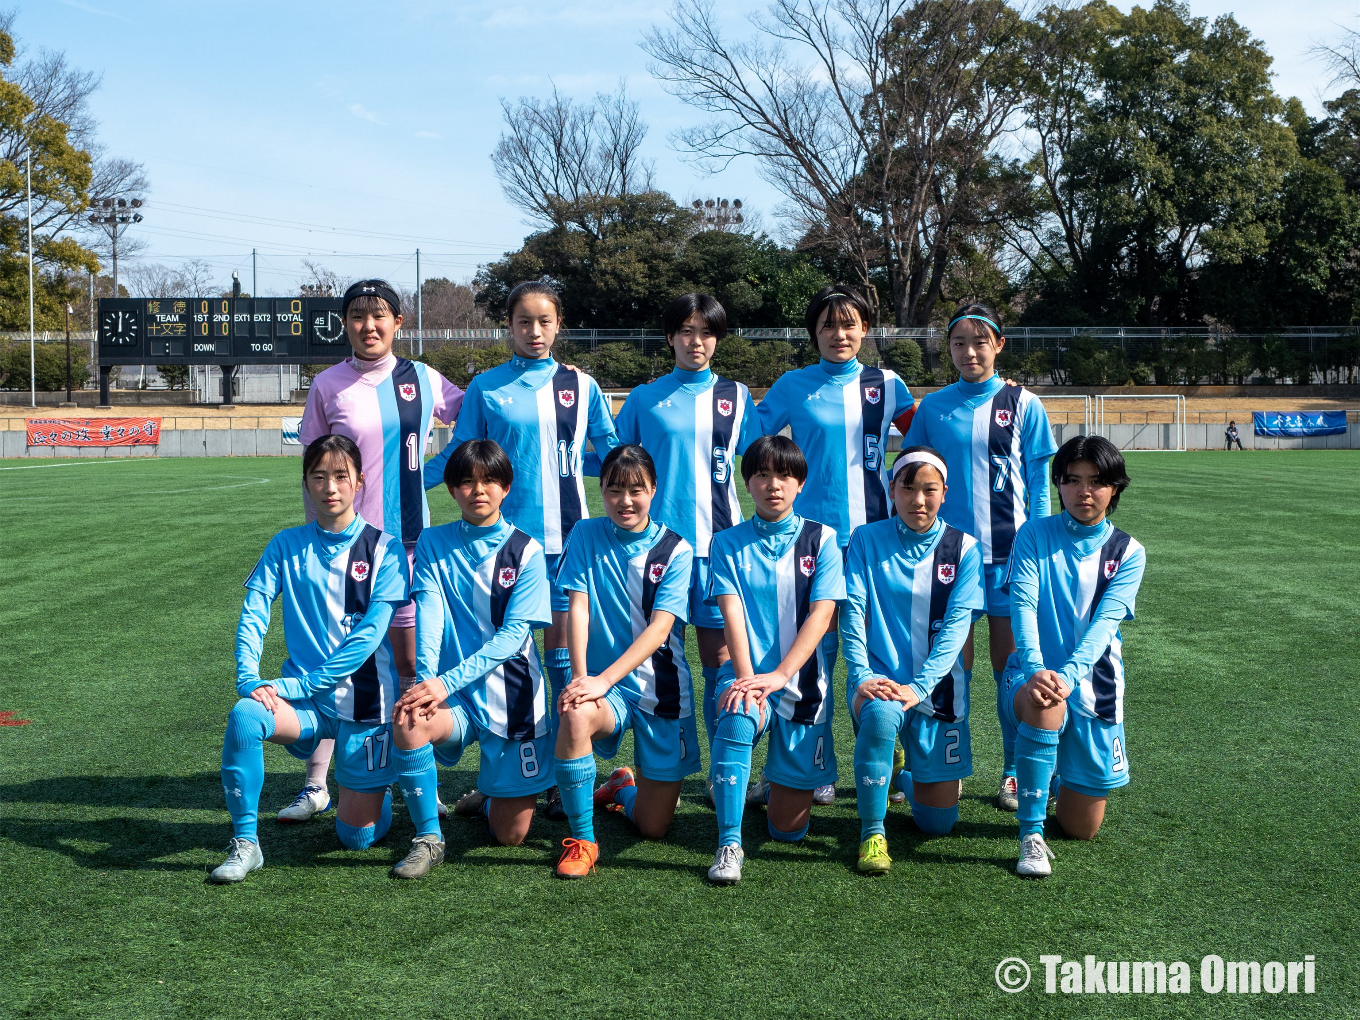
x: 353, y: 133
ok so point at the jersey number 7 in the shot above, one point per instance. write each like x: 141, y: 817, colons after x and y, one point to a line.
x: 1003, y: 470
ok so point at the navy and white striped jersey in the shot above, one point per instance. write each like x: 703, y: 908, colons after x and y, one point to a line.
x: 339, y: 590
x: 996, y: 441
x: 480, y: 593
x: 1070, y: 587
x: 909, y: 603
x: 541, y: 413
x: 694, y: 425
x: 778, y: 569
x: 628, y: 576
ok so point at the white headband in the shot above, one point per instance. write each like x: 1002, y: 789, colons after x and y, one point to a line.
x: 921, y: 457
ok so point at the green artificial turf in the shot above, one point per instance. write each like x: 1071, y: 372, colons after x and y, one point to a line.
x: 1238, y: 837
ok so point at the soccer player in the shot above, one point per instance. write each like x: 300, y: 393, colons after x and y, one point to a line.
x: 996, y: 441
x: 777, y: 578
x: 912, y: 586
x: 839, y: 411
x: 340, y: 579
x: 1073, y: 579
x: 481, y: 589
x: 695, y: 424
x: 628, y: 579
x: 387, y: 405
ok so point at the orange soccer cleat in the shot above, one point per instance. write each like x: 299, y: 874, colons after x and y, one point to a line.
x: 578, y: 858
x: 618, y: 779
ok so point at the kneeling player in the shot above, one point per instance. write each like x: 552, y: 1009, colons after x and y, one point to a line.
x: 1073, y: 579
x: 627, y: 578
x: 481, y: 588
x: 777, y: 578
x: 341, y: 580
x: 912, y: 586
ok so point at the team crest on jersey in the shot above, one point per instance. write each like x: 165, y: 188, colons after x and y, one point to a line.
x: 358, y: 570
x: 807, y: 564
x: 507, y: 576
x: 407, y: 390
x: 725, y: 408
x: 566, y: 397
x: 1110, y: 567
x: 656, y: 572
x: 945, y: 572
x: 1004, y: 417
x: 873, y: 394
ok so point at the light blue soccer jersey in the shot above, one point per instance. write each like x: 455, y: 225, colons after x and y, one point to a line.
x: 779, y: 569
x: 541, y: 414
x: 909, y: 602
x: 628, y: 576
x: 694, y: 425
x: 1070, y: 587
x: 339, y: 590
x: 480, y: 593
x: 996, y: 441
x: 839, y: 415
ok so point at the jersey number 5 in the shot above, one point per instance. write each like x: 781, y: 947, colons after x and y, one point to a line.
x: 873, y: 456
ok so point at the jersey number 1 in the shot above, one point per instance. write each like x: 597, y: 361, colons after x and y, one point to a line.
x: 412, y: 453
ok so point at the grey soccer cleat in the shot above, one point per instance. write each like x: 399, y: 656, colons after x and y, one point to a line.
x: 469, y: 805
x: 708, y: 790
x: 727, y: 863
x: 243, y: 857
x: 758, y: 794
x: 1006, y: 796
x: 552, y: 805
x: 1034, y: 857
x: 425, y: 853
x: 824, y: 794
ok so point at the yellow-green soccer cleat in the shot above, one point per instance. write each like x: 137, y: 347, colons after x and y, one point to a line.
x: 873, y: 856
x: 896, y: 796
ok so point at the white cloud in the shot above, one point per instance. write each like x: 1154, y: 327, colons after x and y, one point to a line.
x: 428, y: 134
x: 363, y: 114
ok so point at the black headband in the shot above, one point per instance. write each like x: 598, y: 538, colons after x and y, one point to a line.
x: 372, y: 288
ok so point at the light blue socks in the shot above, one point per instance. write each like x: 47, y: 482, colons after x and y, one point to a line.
x: 710, y: 702
x: 576, y: 783
x: 361, y: 837
x: 786, y: 837
x: 559, y: 674
x: 733, y: 741
x: 1007, y: 730
x: 1036, y: 759
x: 418, y: 780
x: 933, y: 821
x: 249, y: 725
x: 626, y: 798
x: 879, y: 722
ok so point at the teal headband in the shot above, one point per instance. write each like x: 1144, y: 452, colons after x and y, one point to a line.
x: 982, y: 318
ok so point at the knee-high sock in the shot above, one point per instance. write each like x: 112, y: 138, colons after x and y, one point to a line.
x: 879, y: 723
x: 1007, y: 730
x: 249, y: 725
x: 559, y: 674
x: 319, y: 763
x: 933, y: 821
x: 361, y: 837
x: 626, y: 798
x: 710, y: 703
x: 418, y: 779
x: 731, y: 753
x: 1036, y: 756
x: 785, y: 837
x: 576, y: 783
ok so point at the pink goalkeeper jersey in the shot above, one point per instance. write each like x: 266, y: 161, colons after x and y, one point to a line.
x: 387, y: 407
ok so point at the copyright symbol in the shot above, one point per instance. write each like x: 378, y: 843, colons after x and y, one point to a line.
x: 1012, y: 975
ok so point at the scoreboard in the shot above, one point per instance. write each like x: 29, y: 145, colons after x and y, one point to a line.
x: 221, y: 331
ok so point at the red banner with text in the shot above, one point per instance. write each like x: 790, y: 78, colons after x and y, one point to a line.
x: 93, y: 431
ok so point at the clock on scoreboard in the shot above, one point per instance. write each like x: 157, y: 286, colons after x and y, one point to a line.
x: 221, y: 331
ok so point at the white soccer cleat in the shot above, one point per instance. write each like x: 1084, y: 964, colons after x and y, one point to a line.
x: 758, y: 794
x: 824, y: 794
x: 727, y: 863
x: 243, y: 857
x: 1034, y: 857
x: 708, y: 789
x: 443, y: 808
x: 311, y: 801
x: 1007, y: 797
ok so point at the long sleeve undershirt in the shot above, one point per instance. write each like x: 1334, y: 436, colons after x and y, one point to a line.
x: 506, y: 642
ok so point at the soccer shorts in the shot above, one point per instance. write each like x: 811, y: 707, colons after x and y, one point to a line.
x: 937, y: 751
x: 508, y: 768
x: 560, y: 600
x: 405, y: 616
x: 998, y: 600
x: 801, y: 756
x: 666, y: 750
x: 1092, y: 756
x: 363, y: 751
x: 703, y: 611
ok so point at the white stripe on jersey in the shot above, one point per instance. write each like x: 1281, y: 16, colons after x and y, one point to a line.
x: 338, y: 625
x: 921, y: 577
x: 982, y: 477
x: 1088, y: 573
x: 549, y: 469
x: 730, y: 489
x: 493, y: 683
x: 854, y: 451
x: 578, y: 448
x: 788, y: 632
x: 645, y: 674
x: 703, y: 470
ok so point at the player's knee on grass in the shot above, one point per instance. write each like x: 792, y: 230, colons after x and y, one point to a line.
x: 509, y: 819
x: 788, y: 812
x: 361, y: 837
x: 248, y: 723
x: 1079, y: 815
x: 654, y: 809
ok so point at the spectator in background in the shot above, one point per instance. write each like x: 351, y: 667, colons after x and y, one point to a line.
x: 1230, y: 436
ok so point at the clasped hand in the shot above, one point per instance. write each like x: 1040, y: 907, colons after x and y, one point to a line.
x: 420, y: 702
x: 581, y: 690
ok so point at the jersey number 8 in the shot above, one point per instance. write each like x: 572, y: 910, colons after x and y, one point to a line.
x: 528, y: 759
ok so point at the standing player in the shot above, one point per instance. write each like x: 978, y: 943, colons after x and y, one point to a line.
x: 628, y: 578
x: 996, y: 441
x: 1073, y: 579
x: 480, y: 589
x: 695, y: 424
x: 340, y: 580
x: 840, y: 411
x: 912, y: 586
x: 386, y: 405
x: 777, y: 578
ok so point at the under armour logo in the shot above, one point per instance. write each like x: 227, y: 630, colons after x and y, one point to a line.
x: 235, y: 792
x: 870, y: 781
x: 666, y: 403
x: 1035, y: 794
x: 417, y: 792
x: 729, y: 780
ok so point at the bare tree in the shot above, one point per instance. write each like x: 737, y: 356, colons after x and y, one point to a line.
x: 560, y: 156
x: 877, y: 139
x: 1343, y: 59
x: 319, y: 281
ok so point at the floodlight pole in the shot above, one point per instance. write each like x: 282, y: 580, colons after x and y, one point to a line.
x: 420, y: 326
x: 68, y: 352
x: 32, y: 343
x: 254, y: 276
